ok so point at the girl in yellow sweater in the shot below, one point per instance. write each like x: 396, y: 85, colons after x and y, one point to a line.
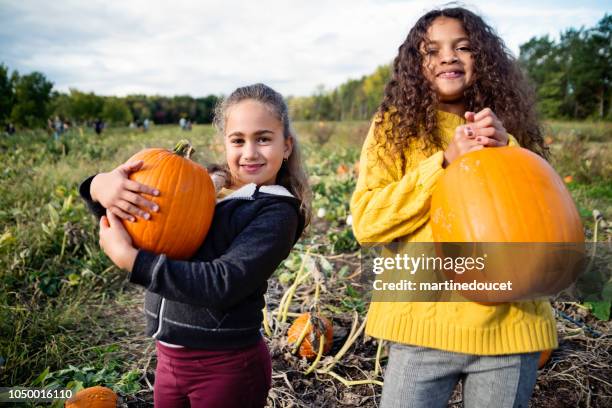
x: 455, y: 88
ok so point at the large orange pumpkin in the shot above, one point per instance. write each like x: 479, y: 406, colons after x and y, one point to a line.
x: 510, y: 195
x: 186, y: 202
x: 93, y: 397
x: 309, y: 347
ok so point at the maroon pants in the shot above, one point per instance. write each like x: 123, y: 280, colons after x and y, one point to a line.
x: 207, y: 378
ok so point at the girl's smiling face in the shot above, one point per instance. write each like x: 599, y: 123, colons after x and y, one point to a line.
x: 255, y: 145
x: 447, y: 59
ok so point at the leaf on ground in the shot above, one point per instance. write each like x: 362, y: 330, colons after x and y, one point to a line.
x: 600, y: 310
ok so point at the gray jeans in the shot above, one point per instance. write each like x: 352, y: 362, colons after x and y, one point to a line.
x: 418, y: 377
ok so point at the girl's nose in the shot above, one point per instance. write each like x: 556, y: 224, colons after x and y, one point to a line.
x: 448, y: 57
x: 250, y: 151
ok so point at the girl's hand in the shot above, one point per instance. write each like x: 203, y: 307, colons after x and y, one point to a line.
x: 116, y: 242
x: 117, y: 193
x: 463, y: 142
x: 487, y: 128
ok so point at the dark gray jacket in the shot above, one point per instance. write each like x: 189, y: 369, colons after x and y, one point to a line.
x: 214, y: 300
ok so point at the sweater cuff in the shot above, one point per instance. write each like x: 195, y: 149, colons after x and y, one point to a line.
x: 84, y: 188
x: 430, y: 170
x: 96, y: 208
x: 142, y: 271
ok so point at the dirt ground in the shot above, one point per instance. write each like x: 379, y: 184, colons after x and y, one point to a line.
x: 579, y: 373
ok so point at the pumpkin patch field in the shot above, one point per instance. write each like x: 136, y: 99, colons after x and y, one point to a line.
x: 69, y: 319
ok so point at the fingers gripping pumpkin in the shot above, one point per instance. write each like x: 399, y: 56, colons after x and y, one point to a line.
x: 186, y: 202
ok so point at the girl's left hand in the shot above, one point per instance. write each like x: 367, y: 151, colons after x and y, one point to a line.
x: 116, y: 242
x: 486, y: 128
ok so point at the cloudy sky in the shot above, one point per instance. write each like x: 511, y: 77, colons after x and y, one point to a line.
x: 203, y: 47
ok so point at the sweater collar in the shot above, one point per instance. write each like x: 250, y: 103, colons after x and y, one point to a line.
x: 248, y: 191
x: 450, y: 120
x: 445, y: 119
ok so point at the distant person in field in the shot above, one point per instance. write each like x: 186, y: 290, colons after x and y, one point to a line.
x: 9, y: 128
x: 145, y: 124
x: 455, y: 88
x: 98, y: 126
x: 58, y: 128
x: 182, y: 123
x: 206, y: 313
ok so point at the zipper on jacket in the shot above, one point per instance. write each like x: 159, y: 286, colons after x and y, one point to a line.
x: 160, y: 317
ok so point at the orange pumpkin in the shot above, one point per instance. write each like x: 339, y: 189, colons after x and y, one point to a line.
x: 342, y: 169
x: 509, y: 195
x: 309, y: 347
x: 186, y: 202
x: 93, y: 397
x: 544, y: 357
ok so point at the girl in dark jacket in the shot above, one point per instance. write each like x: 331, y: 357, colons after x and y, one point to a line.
x: 206, y: 313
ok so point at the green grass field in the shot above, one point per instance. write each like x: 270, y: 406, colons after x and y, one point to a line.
x: 67, y: 315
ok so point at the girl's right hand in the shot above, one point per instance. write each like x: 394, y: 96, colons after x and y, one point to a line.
x: 463, y: 142
x: 122, y: 196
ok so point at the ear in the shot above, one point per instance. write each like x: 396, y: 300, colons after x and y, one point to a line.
x: 288, y: 147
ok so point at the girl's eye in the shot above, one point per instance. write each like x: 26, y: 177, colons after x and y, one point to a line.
x: 263, y: 139
x: 236, y: 141
x: 431, y: 51
x: 464, y: 48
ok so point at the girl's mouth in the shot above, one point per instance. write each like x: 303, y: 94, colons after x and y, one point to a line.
x: 450, y: 74
x: 251, y: 168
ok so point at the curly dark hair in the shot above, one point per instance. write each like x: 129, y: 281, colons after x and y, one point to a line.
x: 411, y: 103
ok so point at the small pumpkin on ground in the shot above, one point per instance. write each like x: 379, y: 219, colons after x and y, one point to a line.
x: 93, y: 397
x: 544, y: 357
x: 342, y: 169
x: 317, y: 326
x: 186, y: 202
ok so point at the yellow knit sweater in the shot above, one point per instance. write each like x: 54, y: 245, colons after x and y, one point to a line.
x: 392, y: 203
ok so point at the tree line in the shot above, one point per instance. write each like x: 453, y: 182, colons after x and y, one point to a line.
x: 29, y: 101
x: 571, y: 76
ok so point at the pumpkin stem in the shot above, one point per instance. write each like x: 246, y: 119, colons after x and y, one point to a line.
x: 319, y: 354
x: 184, y: 148
x: 377, y: 367
x: 301, y: 337
x: 349, y: 342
